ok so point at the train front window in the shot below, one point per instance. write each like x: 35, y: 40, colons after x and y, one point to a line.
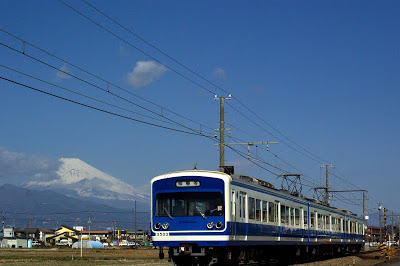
x: 189, y: 204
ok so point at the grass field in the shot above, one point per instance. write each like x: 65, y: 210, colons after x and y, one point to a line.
x: 68, y: 256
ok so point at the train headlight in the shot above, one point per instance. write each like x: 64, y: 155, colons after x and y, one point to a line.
x: 157, y: 226
x: 218, y: 225
x: 210, y: 225
x: 165, y: 226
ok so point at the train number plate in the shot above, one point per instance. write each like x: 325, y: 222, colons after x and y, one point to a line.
x: 162, y: 234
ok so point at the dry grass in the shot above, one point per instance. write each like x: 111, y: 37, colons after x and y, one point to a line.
x: 68, y: 256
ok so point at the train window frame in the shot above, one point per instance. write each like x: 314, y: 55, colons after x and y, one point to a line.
x: 320, y: 223
x: 296, y: 217
x: 258, y: 210
x: 305, y: 218
x: 244, y: 205
x: 264, y: 210
x: 272, y: 212
x: 326, y: 221
x: 240, y: 206
x: 185, y: 204
x: 291, y: 216
x: 252, y: 208
x: 312, y: 219
x: 285, y: 210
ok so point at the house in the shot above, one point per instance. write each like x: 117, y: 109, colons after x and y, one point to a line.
x: 36, y: 234
x: 96, y: 235
x: 141, y: 236
x: 374, y: 234
x: 63, y: 233
x: 44, y: 234
x: 10, y: 240
x: 28, y: 233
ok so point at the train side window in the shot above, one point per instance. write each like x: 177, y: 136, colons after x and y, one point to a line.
x: 291, y: 220
x: 240, y: 206
x: 252, y: 206
x: 305, y: 219
x: 244, y: 206
x: 284, y: 215
x: 258, y: 210
x: 319, y: 221
x: 272, y: 211
x: 296, y: 217
x: 326, y: 222
x: 312, y: 220
x: 264, y: 211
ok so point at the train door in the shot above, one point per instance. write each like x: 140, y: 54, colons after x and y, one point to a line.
x: 233, y: 215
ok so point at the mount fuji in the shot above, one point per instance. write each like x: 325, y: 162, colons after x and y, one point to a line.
x: 77, y: 179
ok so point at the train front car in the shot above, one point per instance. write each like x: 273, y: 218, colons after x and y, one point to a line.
x: 190, y: 215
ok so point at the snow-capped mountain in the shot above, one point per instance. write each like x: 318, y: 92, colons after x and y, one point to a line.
x: 76, y: 178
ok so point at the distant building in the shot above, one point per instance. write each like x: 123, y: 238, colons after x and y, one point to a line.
x: 63, y: 233
x: 96, y: 235
x: 373, y: 234
x: 10, y: 240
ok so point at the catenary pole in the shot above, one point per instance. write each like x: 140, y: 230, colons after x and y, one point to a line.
x: 221, y: 134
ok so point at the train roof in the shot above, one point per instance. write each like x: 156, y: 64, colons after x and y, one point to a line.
x: 214, y: 174
x: 244, y: 179
x: 252, y: 181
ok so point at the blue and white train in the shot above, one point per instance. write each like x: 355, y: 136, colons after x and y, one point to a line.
x: 207, y: 217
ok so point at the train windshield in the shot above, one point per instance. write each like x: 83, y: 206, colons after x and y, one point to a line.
x: 189, y: 204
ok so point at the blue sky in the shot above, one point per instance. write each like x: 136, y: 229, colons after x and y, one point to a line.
x: 323, y: 73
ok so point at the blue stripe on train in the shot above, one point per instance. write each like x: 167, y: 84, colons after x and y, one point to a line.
x: 273, y: 231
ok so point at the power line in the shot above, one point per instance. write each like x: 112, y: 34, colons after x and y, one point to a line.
x: 154, y: 47
x: 143, y: 52
x: 89, y: 97
x: 211, y: 91
x: 187, y: 68
x: 193, y: 72
x: 95, y: 86
x: 99, y: 78
x: 99, y: 109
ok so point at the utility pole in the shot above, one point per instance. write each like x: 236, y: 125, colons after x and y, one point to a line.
x: 135, y: 225
x: 3, y: 220
x: 392, y: 225
x: 385, y: 222
x: 222, y: 131
x: 114, y: 227
x: 327, y: 182
x: 380, y: 222
x: 89, y: 222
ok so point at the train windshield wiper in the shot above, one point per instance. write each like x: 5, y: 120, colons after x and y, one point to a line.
x: 201, y: 213
x: 169, y: 215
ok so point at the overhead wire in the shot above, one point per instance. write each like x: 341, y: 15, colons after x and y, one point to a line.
x: 202, y: 86
x: 89, y: 97
x: 101, y: 79
x: 195, y: 73
x: 95, y: 86
x: 98, y: 109
x: 320, y: 160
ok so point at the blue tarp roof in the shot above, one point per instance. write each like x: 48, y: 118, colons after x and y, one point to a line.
x: 87, y: 244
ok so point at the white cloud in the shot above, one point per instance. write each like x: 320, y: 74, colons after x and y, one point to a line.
x: 60, y: 75
x: 144, y: 73
x: 14, y: 164
x: 219, y: 73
